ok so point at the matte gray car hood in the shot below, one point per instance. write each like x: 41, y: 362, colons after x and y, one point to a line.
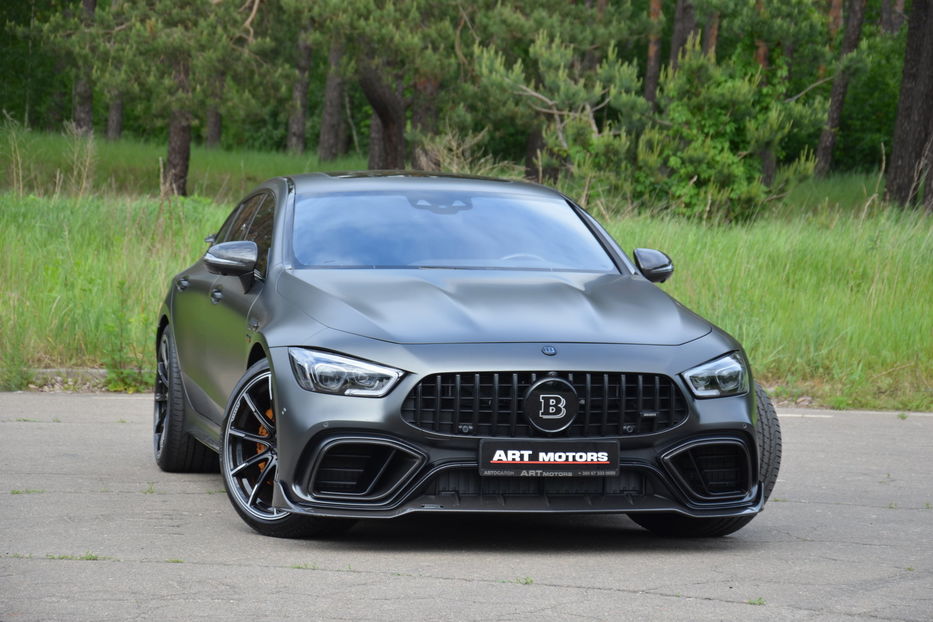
x: 469, y: 306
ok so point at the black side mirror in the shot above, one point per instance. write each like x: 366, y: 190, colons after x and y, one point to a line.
x: 232, y: 258
x: 654, y: 265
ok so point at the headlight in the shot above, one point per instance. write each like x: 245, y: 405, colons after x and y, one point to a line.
x: 727, y: 375
x: 330, y: 373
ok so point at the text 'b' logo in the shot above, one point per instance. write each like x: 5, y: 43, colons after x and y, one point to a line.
x: 552, y: 407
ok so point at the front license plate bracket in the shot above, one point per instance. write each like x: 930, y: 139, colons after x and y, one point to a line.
x: 548, y: 458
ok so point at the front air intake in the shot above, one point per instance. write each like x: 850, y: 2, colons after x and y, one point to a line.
x: 712, y: 469
x: 361, y: 469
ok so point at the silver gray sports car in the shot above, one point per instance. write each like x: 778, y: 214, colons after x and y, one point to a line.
x: 365, y: 345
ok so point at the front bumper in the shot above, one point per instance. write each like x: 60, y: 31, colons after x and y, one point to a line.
x: 325, y: 441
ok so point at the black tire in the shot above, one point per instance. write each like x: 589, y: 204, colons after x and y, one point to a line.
x: 768, y: 432
x: 248, y: 462
x: 174, y: 449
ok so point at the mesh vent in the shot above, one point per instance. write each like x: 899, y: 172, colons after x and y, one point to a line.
x: 713, y: 470
x: 361, y: 469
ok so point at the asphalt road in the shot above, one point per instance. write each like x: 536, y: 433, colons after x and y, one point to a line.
x: 90, y: 529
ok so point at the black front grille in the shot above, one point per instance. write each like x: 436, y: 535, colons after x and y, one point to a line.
x: 713, y: 471
x: 469, y: 483
x: 490, y: 404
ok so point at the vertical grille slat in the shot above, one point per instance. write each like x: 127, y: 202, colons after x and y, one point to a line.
x: 477, y: 396
x: 657, y: 404
x: 622, y: 403
x: 456, y: 410
x: 491, y: 403
x: 513, y: 410
x: 494, y: 414
x: 419, y: 404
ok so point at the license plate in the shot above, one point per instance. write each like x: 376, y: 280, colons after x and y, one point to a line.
x: 524, y: 458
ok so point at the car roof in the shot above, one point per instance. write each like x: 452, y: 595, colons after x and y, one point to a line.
x: 394, y: 181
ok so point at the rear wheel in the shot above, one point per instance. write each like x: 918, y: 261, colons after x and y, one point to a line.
x: 768, y: 432
x: 249, y: 462
x: 175, y: 451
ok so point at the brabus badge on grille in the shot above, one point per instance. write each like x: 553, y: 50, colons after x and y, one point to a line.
x: 551, y: 405
x: 549, y: 350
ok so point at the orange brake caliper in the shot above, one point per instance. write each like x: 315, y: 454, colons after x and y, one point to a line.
x: 264, y: 432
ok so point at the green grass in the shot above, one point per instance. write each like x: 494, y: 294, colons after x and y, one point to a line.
x: 837, y: 307
x: 84, y: 277
x: 50, y: 164
x: 829, y: 294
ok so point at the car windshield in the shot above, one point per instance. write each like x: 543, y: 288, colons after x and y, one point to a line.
x: 434, y: 229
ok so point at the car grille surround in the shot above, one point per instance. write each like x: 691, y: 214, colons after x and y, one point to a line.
x: 361, y: 469
x: 490, y: 404
x: 710, y: 470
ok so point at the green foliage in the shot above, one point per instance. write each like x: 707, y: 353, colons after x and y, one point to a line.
x: 867, y: 123
x: 698, y: 153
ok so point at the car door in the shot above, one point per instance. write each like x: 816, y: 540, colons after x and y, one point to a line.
x: 233, y: 298
x: 197, y: 309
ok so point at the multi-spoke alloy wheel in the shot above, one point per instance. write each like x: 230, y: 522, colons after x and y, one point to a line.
x: 173, y: 447
x: 249, y: 449
x: 249, y: 461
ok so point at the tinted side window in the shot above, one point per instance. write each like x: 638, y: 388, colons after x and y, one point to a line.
x: 238, y: 224
x: 260, y: 231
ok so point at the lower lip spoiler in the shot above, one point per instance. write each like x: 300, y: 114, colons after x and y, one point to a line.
x: 411, y: 502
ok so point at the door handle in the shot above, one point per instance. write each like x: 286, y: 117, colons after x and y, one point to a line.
x: 182, y: 284
x: 216, y: 296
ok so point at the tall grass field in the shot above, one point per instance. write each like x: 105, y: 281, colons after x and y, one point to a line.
x: 54, y: 164
x: 831, y: 295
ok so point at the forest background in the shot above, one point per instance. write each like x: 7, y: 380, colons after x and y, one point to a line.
x: 779, y: 150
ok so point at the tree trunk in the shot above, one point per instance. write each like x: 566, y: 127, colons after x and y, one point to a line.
x: 592, y: 57
x: 84, y: 103
x: 684, y: 25
x: 761, y: 46
x: 835, y: 17
x: 389, y: 105
x: 914, y: 126
x: 84, y: 92
x: 711, y: 35
x: 653, y: 66
x: 766, y: 155
x: 376, y: 144
x: 768, y: 166
x: 824, y: 152
x: 115, y: 117
x: 333, y: 137
x: 536, y: 158
x: 295, y: 142
x: 213, y: 126
x: 175, y: 173
x: 424, y: 120
x: 58, y: 100
x: 892, y: 16
x: 928, y: 158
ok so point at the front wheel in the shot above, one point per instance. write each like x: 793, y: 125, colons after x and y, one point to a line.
x: 768, y: 433
x: 249, y: 461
